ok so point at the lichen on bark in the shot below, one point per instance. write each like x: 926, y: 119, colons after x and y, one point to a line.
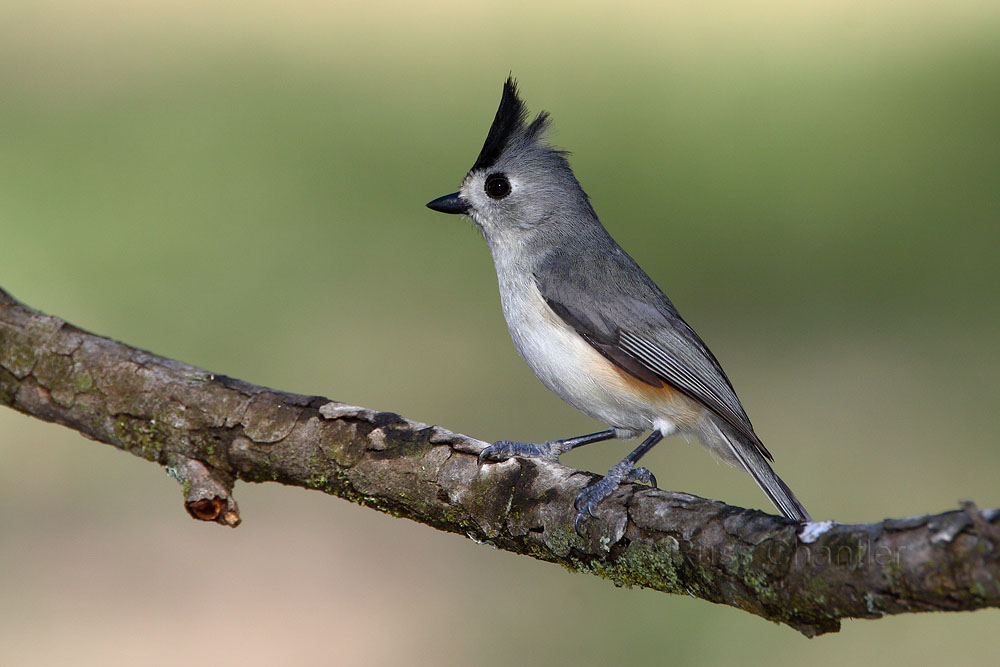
x: 209, y: 430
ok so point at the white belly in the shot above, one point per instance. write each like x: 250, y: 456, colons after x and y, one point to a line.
x: 569, y: 366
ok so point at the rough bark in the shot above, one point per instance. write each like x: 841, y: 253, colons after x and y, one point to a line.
x: 210, y: 430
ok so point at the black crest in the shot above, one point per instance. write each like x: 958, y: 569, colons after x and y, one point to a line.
x: 508, y: 123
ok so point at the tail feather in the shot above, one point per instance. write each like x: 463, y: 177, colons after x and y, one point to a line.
x: 754, y: 463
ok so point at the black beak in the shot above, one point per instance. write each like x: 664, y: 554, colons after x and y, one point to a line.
x: 449, y: 204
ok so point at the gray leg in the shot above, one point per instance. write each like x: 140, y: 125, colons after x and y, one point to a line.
x: 550, y: 451
x: 622, y: 471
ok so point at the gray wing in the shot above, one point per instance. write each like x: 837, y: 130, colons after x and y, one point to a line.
x: 620, y: 311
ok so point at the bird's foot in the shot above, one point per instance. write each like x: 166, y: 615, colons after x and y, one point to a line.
x: 506, y: 449
x: 641, y: 476
x: 591, y: 496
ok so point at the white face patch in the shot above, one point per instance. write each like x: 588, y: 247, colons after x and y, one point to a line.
x: 485, y: 211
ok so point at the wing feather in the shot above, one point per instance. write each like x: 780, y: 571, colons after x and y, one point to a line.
x: 635, y: 326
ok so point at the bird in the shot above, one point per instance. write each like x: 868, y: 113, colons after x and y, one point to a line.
x: 590, y: 323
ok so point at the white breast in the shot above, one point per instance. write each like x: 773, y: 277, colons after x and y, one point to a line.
x: 565, y: 362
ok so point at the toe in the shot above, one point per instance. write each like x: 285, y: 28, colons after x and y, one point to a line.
x: 584, y: 511
x: 498, y: 451
x: 588, y: 500
x: 641, y: 476
x: 506, y: 449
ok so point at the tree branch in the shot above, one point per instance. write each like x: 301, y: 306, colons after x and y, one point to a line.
x: 209, y: 430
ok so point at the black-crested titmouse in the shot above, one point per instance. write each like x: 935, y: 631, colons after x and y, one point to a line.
x: 591, y: 324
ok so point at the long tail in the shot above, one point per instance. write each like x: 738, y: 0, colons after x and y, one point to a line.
x: 751, y: 459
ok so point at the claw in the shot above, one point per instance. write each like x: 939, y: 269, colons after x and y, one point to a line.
x: 484, y: 456
x: 590, y: 497
x: 502, y: 450
x: 641, y: 476
x: 498, y: 451
x: 585, y: 510
x: 578, y: 524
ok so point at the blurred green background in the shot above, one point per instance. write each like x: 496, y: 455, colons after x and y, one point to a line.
x: 241, y: 186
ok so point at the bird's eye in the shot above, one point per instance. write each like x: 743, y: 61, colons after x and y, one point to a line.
x: 497, y: 186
